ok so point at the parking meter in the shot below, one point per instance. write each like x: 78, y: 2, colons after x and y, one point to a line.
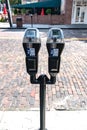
x: 31, y: 45
x: 55, y: 45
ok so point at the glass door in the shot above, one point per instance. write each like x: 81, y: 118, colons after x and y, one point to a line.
x: 80, y: 14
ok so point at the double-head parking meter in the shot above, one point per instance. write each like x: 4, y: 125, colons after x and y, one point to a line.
x: 55, y: 45
x: 31, y: 45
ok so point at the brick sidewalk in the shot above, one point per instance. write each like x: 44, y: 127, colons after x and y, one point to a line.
x: 16, y: 91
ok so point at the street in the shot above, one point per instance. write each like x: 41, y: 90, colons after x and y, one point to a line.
x: 70, y: 90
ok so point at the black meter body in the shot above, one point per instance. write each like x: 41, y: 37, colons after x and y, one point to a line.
x: 55, y: 45
x: 31, y: 45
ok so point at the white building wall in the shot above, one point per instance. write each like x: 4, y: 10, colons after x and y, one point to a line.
x: 82, y: 4
x: 86, y: 15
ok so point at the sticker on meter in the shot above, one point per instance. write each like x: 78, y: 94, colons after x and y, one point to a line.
x: 54, y: 52
x: 31, y: 51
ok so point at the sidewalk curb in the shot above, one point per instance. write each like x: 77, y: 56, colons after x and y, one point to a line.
x: 44, y: 26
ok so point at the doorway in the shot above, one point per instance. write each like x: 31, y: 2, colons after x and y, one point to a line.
x: 80, y: 14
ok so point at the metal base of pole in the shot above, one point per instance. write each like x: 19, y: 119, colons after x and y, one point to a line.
x: 42, y: 80
x: 40, y: 129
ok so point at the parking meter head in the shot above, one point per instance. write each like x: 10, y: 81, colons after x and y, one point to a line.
x: 31, y: 45
x: 31, y: 40
x: 55, y: 45
x: 56, y: 35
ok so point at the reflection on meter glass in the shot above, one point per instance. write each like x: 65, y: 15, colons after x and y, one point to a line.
x: 56, y: 33
x: 31, y: 33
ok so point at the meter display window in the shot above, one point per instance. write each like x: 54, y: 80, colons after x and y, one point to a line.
x: 56, y: 33
x: 31, y: 33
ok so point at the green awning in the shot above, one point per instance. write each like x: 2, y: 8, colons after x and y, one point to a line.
x: 42, y: 4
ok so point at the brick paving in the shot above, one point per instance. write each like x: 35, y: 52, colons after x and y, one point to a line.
x: 70, y: 90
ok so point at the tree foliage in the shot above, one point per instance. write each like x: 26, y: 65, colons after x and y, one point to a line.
x: 12, y: 2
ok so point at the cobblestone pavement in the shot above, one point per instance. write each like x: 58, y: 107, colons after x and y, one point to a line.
x: 70, y: 90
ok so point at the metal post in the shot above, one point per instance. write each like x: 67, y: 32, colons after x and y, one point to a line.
x: 42, y: 101
x: 31, y: 21
x: 9, y: 12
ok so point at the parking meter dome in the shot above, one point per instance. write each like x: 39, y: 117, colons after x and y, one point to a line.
x: 31, y: 36
x: 31, y: 40
x: 55, y: 35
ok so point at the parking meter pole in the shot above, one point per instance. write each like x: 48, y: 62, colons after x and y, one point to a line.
x: 42, y: 101
x: 31, y: 21
x: 53, y: 79
x: 9, y: 12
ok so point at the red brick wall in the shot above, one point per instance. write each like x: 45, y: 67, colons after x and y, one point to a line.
x: 49, y: 19
x: 68, y: 11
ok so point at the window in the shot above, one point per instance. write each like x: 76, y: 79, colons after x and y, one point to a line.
x: 77, y: 14
x: 82, y: 16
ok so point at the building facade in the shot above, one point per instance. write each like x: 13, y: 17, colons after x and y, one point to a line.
x: 72, y: 12
x: 63, y: 18
x: 79, y: 12
x: 75, y: 11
